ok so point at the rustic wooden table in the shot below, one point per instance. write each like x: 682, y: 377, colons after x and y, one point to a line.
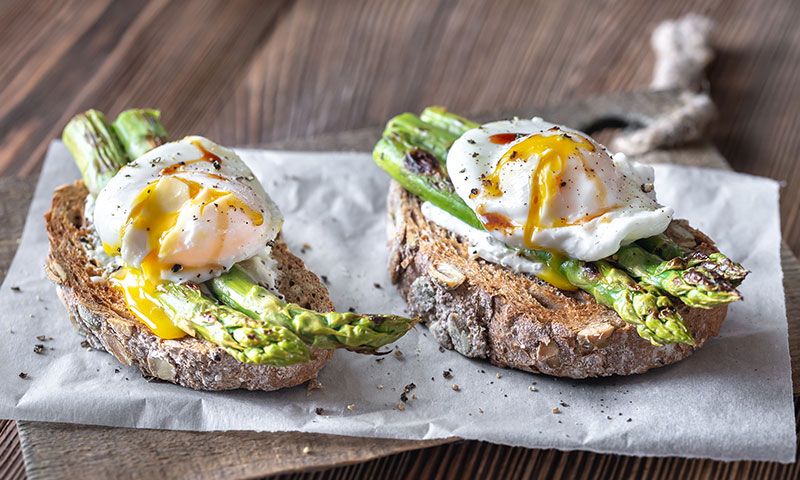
x: 251, y: 72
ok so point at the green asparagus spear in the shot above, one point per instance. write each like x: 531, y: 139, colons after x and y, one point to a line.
x: 95, y: 147
x: 662, y: 245
x: 418, y: 172
x: 362, y: 333
x: 140, y: 130
x: 245, y: 339
x: 716, y: 264
x: 652, y: 313
x: 644, y: 307
x: 433, y: 139
x: 693, y: 285
x: 352, y: 331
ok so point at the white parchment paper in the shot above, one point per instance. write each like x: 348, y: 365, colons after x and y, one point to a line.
x: 730, y: 400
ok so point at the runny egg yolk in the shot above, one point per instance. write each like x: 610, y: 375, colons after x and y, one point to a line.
x: 553, y: 152
x: 149, y: 214
x: 140, y: 295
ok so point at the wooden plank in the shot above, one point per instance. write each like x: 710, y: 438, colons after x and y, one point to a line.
x: 243, y: 454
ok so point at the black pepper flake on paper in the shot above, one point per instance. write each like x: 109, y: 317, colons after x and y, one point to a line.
x: 629, y: 420
x: 217, y: 165
x: 377, y: 285
x: 23, y: 375
x: 471, y: 141
x: 324, y: 279
x: 16, y: 289
x: 447, y: 374
x: 406, y: 390
x: 38, y: 348
x: 351, y: 310
x: 563, y: 404
x: 319, y: 411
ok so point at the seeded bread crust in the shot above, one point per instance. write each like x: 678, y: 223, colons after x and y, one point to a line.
x: 98, y: 312
x: 485, y: 311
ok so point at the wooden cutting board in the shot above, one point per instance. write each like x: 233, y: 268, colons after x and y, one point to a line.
x: 70, y: 451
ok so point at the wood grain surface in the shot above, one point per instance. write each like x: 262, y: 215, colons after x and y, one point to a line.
x: 253, y: 72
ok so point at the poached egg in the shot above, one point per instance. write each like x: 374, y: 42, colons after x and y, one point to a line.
x: 185, y: 211
x: 535, y: 184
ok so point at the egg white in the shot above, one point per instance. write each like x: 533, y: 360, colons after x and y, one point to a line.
x: 605, y: 201
x: 204, y: 239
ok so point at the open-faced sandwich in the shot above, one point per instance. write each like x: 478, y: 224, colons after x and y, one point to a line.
x: 168, y: 255
x: 528, y: 244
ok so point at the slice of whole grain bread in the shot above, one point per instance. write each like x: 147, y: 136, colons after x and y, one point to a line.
x: 98, y: 311
x: 482, y: 310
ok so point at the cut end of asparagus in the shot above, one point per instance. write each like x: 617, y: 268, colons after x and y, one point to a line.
x: 95, y: 147
x: 440, y: 117
x: 140, y: 130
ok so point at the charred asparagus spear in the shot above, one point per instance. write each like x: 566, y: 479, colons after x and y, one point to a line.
x: 142, y: 130
x: 717, y: 264
x: 357, y: 332
x: 247, y: 340
x: 139, y: 130
x: 649, y: 310
x: 95, y: 148
x: 646, y: 308
x: 695, y: 285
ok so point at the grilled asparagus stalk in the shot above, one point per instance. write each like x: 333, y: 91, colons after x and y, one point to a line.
x: 245, y: 339
x: 95, y: 148
x: 716, y: 264
x: 695, y: 285
x: 139, y: 130
x: 352, y: 331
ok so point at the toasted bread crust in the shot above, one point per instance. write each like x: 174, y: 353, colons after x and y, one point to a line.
x: 98, y: 311
x: 485, y: 311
